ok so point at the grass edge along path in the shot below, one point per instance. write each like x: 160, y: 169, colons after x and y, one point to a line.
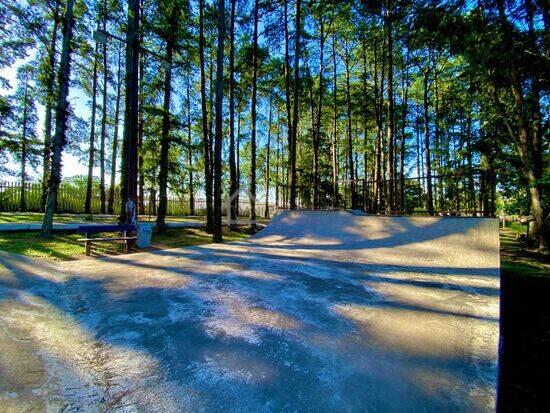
x: 63, y: 246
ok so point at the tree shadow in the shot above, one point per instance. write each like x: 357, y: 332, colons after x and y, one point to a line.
x: 239, y: 325
x: 344, y: 234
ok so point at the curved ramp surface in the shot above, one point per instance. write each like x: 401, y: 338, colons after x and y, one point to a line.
x: 444, y: 243
x: 318, y: 312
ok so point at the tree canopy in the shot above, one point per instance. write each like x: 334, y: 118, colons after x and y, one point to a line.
x: 394, y: 107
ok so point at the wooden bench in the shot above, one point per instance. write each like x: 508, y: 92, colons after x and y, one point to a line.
x: 89, y: 230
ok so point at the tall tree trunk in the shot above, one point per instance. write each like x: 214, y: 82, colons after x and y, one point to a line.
x: 165, y: 137
x: 211, y: 89
x: 278, y: 159
x: 469, y: 160
x: 48, y: 109
x: 114, y: 151
x: 419, y: 160
x: 24, y: 144
x: 526, y: 142
x: 383, y: 141
x: 376, y: 178
x: 427, y: 141
x: 205, y: 133
x: 293, y: 177
x: 335, y: 189
x: 60, y: 137
x: 238, y: 153
x: 313, y: 117
x: 253, y: 116
x: 103, y: 119
x: 438, y: 158
x: 129, y: 163
x: 233, y: 184
x: 141, y: 120
x: 366, y: 201
x: 152, y: 201
x: 217, y: 236
x: 378, y: 105
x: 391, y: 114
x: 190, y: 149
x: 404, y: 110
x: 102, y: 141
x: 351, y: 168
x: 91, y: 151
x: 534, y: 100
x: 266, y: 210
x: 317, y: 124
x: 287, y: 88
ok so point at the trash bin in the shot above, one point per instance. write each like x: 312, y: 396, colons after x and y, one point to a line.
x: 144, y: 232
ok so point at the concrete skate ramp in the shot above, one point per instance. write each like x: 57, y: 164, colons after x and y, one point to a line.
x: 442, y: 243
x: 437, y: 286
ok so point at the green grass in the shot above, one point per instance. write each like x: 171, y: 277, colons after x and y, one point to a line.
x: 523, y: 269
x: 60, y: 247
x: 36, y: 217
x: 516, y: 261
x: 516, y: 227
x: 65, y: 247
x: 173, y: 238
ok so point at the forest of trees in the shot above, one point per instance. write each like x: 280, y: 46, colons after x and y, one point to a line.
x: 392, y: 106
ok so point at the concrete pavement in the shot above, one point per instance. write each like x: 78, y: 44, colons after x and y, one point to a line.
x: 318, y: 312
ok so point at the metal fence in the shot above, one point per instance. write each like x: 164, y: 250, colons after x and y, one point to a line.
x: 469, y: 193
x: 71, y: 200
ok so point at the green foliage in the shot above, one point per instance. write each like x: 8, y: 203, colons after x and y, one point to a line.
x: 452, y: 89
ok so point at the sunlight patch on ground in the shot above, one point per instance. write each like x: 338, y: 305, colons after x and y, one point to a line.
x: 235, y: 316
x: 438, y: 298
x: 73, y: 369
x: 421, y: 333
x: 225, y: 366
x: 439, y: 383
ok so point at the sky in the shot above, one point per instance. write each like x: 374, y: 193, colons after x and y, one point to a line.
x: 71, y: 164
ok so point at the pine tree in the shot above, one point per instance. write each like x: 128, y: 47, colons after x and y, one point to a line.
x: 60, y: 138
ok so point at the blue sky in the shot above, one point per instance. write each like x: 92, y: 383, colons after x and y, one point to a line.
x: 71, y: 164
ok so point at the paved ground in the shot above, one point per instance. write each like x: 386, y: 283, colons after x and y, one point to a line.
x: 319, y: 312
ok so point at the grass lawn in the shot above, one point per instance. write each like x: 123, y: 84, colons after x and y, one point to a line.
x: 516, y: 227
x: 64, y: 246
x: 515, y: 259
x: 36, y: 217
x: 173, y: 238
x: 60, y: 247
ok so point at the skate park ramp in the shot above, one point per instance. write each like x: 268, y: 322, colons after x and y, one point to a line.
x: 436, y: 282
x: 448, y: 244
x: 320, y: 311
